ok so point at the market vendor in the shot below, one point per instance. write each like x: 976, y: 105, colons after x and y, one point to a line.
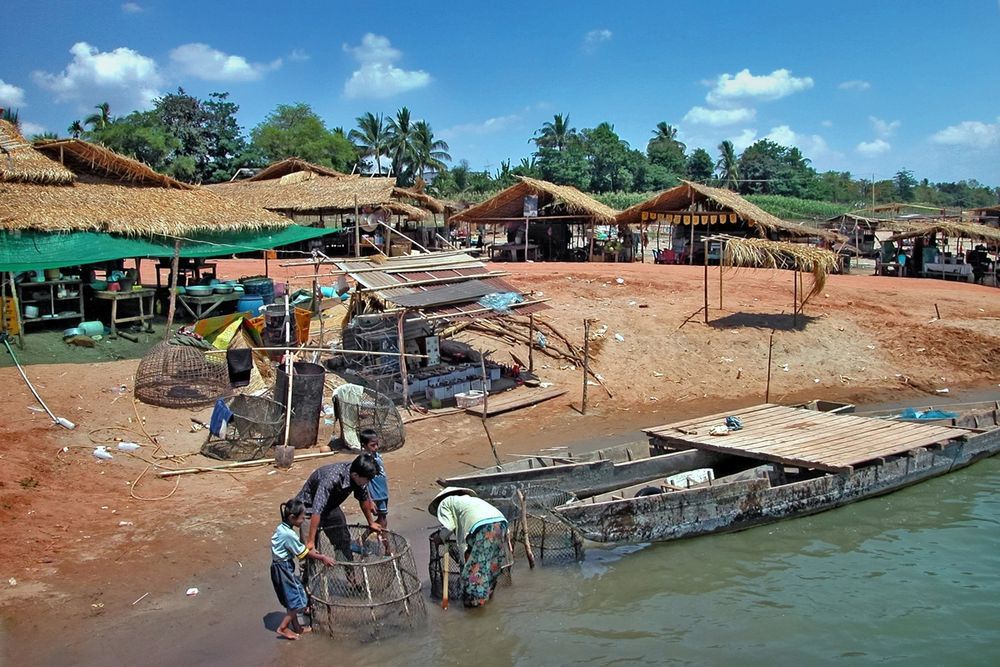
x: 480, y: 530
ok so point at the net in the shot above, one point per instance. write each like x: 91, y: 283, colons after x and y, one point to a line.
x: 360, y: 408
x: 179, y: 376
x: 552, y: 540
x: 256, y: 426
x: 373, y: 596
x: 456, y: 586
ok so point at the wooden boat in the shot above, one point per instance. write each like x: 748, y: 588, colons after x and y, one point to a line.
x: 596, y: 472
x: 783, y: 463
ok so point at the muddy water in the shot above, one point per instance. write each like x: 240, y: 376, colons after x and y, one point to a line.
x: 908, y: 576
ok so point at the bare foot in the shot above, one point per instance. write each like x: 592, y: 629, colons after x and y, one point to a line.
x: 306, y: 629
x: 287, y: 634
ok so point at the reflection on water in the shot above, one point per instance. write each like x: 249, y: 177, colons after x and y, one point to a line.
x: 911, y: 576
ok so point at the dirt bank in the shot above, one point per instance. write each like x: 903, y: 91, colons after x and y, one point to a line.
x: 82, y: 539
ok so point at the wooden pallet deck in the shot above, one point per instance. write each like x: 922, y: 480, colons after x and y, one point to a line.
x: 513, y: 400
x: 806, y: 438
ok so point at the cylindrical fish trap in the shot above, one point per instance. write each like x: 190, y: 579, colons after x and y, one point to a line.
x: 456, y: 586
x: 374, y: 595
x: 552, y: 540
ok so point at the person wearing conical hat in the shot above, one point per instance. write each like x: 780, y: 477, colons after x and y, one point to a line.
x: 480, y: 530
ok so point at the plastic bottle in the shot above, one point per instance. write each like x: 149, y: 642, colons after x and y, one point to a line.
x: 62, y: 421
x: 103, y: 454
x: 127, y: 446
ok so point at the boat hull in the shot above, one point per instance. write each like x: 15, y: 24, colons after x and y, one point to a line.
x: 743, y: 504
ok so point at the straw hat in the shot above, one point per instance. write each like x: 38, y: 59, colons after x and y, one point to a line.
x: 448, y: 491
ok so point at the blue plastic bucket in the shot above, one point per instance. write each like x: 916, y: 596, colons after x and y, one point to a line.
x: 250, y: 303
x: 262, y: 287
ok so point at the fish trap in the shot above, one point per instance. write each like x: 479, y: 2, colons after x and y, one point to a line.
x: 456, y: 587
x: 375, y: 411
x: 552, y: 540
x: 257, y: 425
x: 375, y: 595
x: 180, y: 376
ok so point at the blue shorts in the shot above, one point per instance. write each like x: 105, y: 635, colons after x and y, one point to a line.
x: 382, y: 506
x: 287, y: 586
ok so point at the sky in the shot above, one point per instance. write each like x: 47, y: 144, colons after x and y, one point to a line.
x: 868, y: 87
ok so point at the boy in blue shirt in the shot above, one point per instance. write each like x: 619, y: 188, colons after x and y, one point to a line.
x: 378, y: 486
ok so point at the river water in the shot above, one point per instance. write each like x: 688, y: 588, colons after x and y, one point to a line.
x: 913, y: 576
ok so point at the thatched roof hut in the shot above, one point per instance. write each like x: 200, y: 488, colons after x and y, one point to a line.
x: 696, y: 204
x: 290, y: 166
x: 21, y: 163
x: 93, y: 163
x: 969, y: 230
x: 309, y: 192
x: 561, y: 200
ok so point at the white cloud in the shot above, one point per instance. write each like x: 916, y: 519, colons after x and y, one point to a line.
x: 488, y: 126
x: 873, y: 148
x: 11, y: 95
x: 719, y: 117
x: 204, y: 62
x: 971, y: 133
x: 123, y: 77
x: 131, y: 7
x: 855, y: 85
x: 826, y: 123
x: 811, y: 145
x: 744, y: 85
x: 298, y: 55
x: 30, y: 129
x: 884, y: 128
x: 593, y: 38
x: 378, y: 77
x: 743, y: 139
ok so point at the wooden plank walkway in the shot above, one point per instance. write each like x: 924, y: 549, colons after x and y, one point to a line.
x: 516, y: 399
x: 806, y: 438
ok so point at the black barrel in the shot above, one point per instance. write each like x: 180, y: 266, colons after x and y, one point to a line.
x: 307, y: 401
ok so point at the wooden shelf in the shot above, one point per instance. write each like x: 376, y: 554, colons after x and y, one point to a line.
x: 64, y: 316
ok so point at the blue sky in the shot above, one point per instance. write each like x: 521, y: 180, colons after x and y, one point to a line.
x: 867, y: 87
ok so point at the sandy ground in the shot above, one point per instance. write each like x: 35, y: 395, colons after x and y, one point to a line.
x: 82, y: 540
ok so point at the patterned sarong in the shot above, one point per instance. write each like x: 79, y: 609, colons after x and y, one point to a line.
x: 482, y: 563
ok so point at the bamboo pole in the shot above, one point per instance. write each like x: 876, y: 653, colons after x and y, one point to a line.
x: 327, y: 349
x: 357, y: 228
x: 706, y: 282
x: 238, y: 464
x: 172, y: 306
x: 444, y: 576
x: 404, y: 236
x: 404, y: 378
x: 770, y: 347
x: 493, y: 447
x: 531, y: 342
x: 586, y: 358
x: 524, y: 528
x: 795, y: 298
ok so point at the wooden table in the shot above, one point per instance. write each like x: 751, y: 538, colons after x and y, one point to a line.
x: 140, y: 295
x: 196, y: 305
x: 513, y: 252
x: 191, y: 269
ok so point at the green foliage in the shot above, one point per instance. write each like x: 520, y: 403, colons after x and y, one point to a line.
x: 728, y: 166
x: 139, y: 135
x: 101, y: 119
x: 904, y: 183
x: 622, y: 200
x: 664, y: 150
x: 795, y: 208
x: 700, y: 166
x: 557, y: 134
x: 296, y: 131
x: 566, y: 167
x: 766, y: 167
x: 11, y: 117
x: 608, y: 157
x: 371, y: 139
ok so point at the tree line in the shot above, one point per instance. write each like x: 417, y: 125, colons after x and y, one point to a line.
x: 200, y: 141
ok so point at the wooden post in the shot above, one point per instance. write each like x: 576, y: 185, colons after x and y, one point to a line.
x: 404, y: 378
x: 486, y: 395
x: 172, y: 305
x: 795, y: 298
x: 531, y: 342
x: 706, y: 280
x: 586, y: 363
x: 767, y: 389
x: 527, y: 225
x: 357, y: 228
x: 691, y: 245
x: 524, y: 527
x: 593, y: 231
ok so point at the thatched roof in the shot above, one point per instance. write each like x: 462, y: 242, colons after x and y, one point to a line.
x: 510, y: 203
x: 309, y: 191
x: 104, y: 165
x: 686, y: 194
x: 970, y: 230
x: 131, y: 210
x: 425, y: 200
x: 290, y: 166
x: 21, y: 163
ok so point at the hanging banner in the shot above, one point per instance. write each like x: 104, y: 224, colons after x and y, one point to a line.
x: 531, y: 206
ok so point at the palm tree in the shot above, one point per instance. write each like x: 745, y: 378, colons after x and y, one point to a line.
x: 371, y: 138
x: 428, y: 153
x: 400, y: 141
x: 664, y: 131
x: 100, y: 120
x: 728, y: 165
x: 11, y: 117
x: 75, y: 129
x: 44, y: 136
x: 556, y: 134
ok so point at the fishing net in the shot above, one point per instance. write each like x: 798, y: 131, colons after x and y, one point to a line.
x: 456, y: 586
x: 551, y: 539
x: 256, y: 426
x: 359, y: 408
x: 180, y: 376
x: 373, y: 596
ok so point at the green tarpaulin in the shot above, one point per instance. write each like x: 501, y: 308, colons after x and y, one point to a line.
x: 23, y: 251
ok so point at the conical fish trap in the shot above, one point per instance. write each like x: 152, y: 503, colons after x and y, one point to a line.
x: 179, y: 376
x: 456, y: 587
x: 375, y: 595
x: 375, y: 411
x: 257, y: 425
